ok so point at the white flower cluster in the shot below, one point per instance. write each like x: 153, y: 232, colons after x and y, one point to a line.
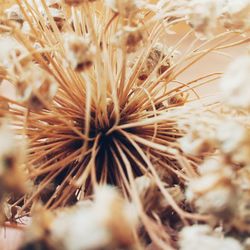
x: 109, y: 222
x: 207, y: 15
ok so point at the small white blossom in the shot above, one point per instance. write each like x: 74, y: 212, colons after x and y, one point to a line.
x: 235, y: 14
x: 202, y: 237
x: 106, y: 223
x: 79, y: 51
x: 123, y: 7
x: 14, y: 13
x: 203, y: 16
x: 235, y: 85
x: 234, y: 139
x: 213, y: 192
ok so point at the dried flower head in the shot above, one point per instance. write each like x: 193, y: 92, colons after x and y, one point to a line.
x: 14, y: 13
x: 36, y: 87
x: 103, y: 128
x: 58, y: 16
x: 54, y: 3
x: 203, y: 16
x: 235, y: 15
x: 207, y: 15
x: 129, y: 37
x: 158, y: 61
x: 80, y: 52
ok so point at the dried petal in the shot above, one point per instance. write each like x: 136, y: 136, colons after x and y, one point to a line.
x: 79, y: 51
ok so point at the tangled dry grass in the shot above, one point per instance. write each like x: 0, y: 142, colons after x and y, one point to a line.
x: 104, y: 137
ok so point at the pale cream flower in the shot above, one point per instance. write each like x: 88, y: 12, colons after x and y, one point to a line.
x: 214, y: 191
x: 200, y: 139
x: 123, y: 7
x: 234, y: 140
x: 26, y: 29
x: 14, y: 13
x: 235, y: 85
x: 202, y: 237
x: 129, y: 37
x: 243, y: 178
x: 58, y: 16
x: 8, y: 45
x: 36, y: 87
x: 79, y: 51
x: 242, y: 218
x: 109, y: 222
x: 203, y: 16
x: 54, y: 3
x: 247, y: 244
x: 235, y: 14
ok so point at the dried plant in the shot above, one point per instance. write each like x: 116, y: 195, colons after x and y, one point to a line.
x: 100, y: 103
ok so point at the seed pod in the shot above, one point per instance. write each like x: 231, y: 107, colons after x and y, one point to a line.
x: 178, y: 99
x: 156, y: 58
x: 235, y: 15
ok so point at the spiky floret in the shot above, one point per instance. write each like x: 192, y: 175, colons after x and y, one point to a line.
x: 105, y: 124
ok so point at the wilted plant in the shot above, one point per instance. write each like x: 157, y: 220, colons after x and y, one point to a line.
x: 95, y: 103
